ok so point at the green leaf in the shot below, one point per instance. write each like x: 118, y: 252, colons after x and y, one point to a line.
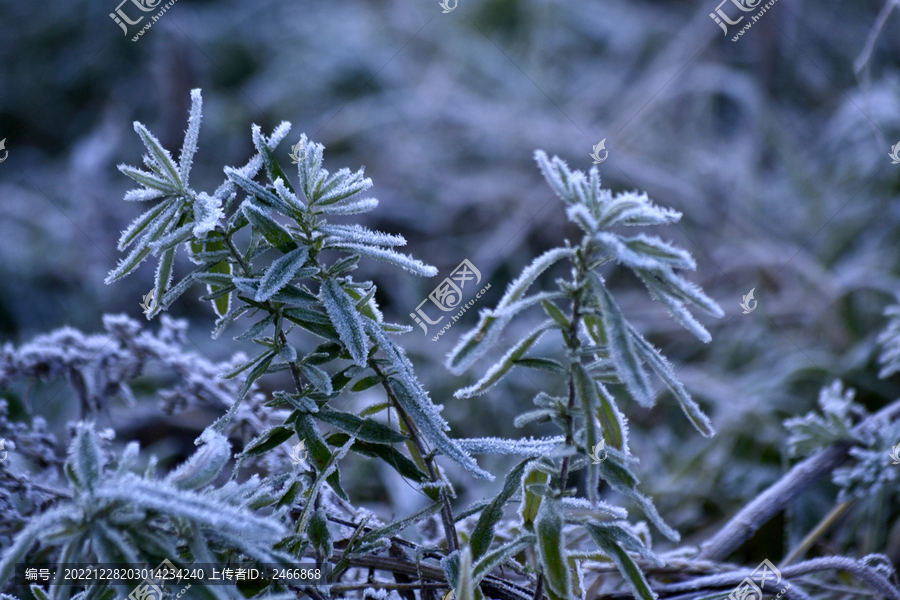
x: 255, y: 374
x: 221, y: 304
x: 160, y: 155
x: 551, y: 547
x: 268, y: 439
x: 542, y: 364
x: 502, y: 367
x: 328, y: 470
x: 405, y: 262
x: 610, y: 418
x: 483, y: 534
x: 532, y: 502
x: 280, y: 273
x: 465, y: 586
x: 318, y: 451
x: 270, y: 229
x: 369, y: 541
x: 319, y: 378
x: 556, y: 314
x: 400, y: 463
x: 366, y: 383
x: 264, y: 196
x: 610, y: 539
x: 367, y: 430
x: 498, y: 557
x: 346, y: 320
x: 621, y: 346
x: 319, y: 534
x: 663, y: 369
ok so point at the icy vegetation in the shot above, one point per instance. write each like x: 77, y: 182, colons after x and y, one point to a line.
x: 277, y: 272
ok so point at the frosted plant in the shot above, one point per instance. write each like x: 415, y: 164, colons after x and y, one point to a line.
x: 124, y: 517
x: 603, y: 354
x: 267, y: 250
x: 890, y: 341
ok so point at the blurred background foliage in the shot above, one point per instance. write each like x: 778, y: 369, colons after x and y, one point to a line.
x: 774, y: 148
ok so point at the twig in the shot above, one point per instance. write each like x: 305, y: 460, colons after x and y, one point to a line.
x: 446, y: 510
x: 816, y: 533
x: 876, y: 581
x: 388, y: 585
x: 753, y: 516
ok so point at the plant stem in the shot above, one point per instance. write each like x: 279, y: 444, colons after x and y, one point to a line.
x: 766, y: 505
x: 817, y: 531
x: 446, y: 510
x: 573, y: 343
x: 245, y: 268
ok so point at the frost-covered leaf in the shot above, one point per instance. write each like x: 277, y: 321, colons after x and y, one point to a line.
x: 587, y: 396
x: 483, y: 534
x: 356, y: 234
x: 160, y: 156
x: 205, y: 464
x: 189, y: 147
x: 890, y: 343
x: 416, y: 403
x: 622, y: 480
x: 614, y: 540
x: 813, y: 431
x: 281, y: 272
x: 497, y: 558
x: 365, y: 429
x: 319, y: 378
x: 207, y: 214
x: 86, y: 457
x: 663, y: 369
x: 621, y: 347
x: 502, y: 367
x: 371, y: 540
x: 274, y: 233
x: 405, y: 262
x: 631, y: 208
x: 518, y: 447
x: 356, y: 207
x: 551, y: 546
x: 476, y: 342
x: 465, y: 586
x: 346, y: 320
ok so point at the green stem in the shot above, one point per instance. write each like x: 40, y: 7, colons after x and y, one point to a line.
x: 428, y: 459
